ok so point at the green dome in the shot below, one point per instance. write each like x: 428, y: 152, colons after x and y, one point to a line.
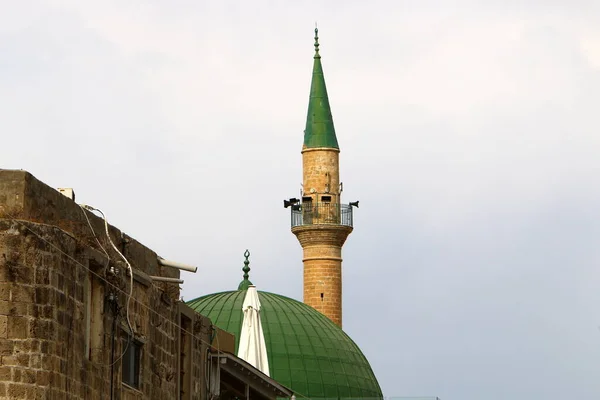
x: 307, y: 352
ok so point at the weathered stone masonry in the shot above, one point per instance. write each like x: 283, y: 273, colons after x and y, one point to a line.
x: 56, y: 317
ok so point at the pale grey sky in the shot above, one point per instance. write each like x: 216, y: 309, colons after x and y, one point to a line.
x: 469, y: 133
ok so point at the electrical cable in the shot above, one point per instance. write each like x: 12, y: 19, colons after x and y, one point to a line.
x: 94, y: 233
x: 131, y: 333
x: 108, y: 260
x: 124, y: 259
x: 116, y: 288
x: 113, y: 286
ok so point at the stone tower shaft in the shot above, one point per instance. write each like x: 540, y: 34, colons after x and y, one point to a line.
x: 319, y: 220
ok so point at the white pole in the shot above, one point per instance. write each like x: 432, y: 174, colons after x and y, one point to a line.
x: 177, y: 265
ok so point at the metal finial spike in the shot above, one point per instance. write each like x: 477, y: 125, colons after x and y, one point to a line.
x: 316, y: 41
x: 246, y: 268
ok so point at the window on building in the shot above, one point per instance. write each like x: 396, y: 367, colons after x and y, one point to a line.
x: 131, y: 363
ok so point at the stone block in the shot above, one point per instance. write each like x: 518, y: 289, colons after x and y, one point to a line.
x: 13, y: 308
x: 6, y: 347
x: 16, y: 374
x: 27, y: 346
x: 35, y: 361
x: 10, y: 360
x: 18, y: 327
x: 27, y: 376
x: 42, y: 276
x: 17, y: 391
x: 22, y: 293
x: 5, y: 291
x: 5, y: 274
x: 43, y: 378
x: 3, y: 327
x: 5, y: 374
x: 23, y: 360
x: 42, y: 329
x: 24, y: 274
x: 44, y: 295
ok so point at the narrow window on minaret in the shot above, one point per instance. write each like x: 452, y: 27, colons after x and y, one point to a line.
x: 321, y: 296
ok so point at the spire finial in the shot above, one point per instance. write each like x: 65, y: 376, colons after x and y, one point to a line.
x: 317, y: 55
x: 319, y: 131
x: 246, y: 268
x: 246, y: 282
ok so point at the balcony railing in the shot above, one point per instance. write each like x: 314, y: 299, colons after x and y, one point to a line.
x: 309, y: 213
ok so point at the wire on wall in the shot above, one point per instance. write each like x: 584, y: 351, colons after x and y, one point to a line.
x: 117, y: 289
x: 130, y: 295
x: 112, y: 285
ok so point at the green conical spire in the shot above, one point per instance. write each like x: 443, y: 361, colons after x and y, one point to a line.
x: 246, y: 282
x: 319, y: 130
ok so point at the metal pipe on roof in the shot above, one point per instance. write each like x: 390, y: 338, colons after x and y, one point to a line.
x: 165, y: 279
x: 173, y: 264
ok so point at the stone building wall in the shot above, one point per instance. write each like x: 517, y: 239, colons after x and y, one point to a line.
x: 63, y: 312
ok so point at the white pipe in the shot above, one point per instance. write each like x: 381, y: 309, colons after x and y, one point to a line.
x: 177, y: 265
x: 165, y: 279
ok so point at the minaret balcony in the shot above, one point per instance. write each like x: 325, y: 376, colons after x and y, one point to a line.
x: 309, y: 213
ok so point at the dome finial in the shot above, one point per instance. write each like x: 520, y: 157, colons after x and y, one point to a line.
x: 246, y: 282
x: 317, y: 55
x: 246, y: 268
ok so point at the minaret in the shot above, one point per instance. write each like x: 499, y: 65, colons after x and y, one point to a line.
x: 319, y: 221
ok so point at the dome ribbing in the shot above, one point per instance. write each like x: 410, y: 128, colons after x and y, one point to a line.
x: 307, y: 352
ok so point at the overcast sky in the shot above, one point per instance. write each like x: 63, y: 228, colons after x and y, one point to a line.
x: 470, y: 133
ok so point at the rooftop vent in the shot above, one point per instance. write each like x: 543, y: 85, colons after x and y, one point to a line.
x: 68, y: 192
